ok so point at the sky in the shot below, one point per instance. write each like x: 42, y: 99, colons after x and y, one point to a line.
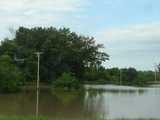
x: 129, y: 29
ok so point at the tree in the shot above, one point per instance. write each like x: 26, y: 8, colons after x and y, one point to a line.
x: 10, y: 77
x: 144, y: 77
x: 129, y: 75
x: 132, y: 74
x: 8, y: 47
x: 63, y: 51
x: 67, y: 82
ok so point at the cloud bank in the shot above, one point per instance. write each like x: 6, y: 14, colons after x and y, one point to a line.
x: 137, y: 45
x: 37, y: 12
x: 138, y: 33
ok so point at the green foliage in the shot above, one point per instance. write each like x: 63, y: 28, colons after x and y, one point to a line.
x: 8, y: 47
x: 144, y: 77
x: 67, y: 98
x: 63, y: 51
x: 129, y: 76
x: 67, y: 82
x: 114, y: 75
x: 10, y: 77
x: 96, y: 75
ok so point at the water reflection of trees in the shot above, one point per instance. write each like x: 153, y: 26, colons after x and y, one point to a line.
x: 51, y: 105
x: 94, y: 104
x: 69, y: 105
x: 87, y: 104
x: 19, y: 104
x: 83, y: 105
x: 117, y: 91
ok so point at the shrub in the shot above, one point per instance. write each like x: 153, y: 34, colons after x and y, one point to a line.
x: 67, y: 81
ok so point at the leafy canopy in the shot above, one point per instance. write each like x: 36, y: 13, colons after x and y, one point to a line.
x: 63, y: 51
x: 11, y: 78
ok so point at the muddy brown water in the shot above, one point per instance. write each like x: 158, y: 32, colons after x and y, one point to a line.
x: 102, y: 101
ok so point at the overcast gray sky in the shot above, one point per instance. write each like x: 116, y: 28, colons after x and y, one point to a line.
x: 130, y: 30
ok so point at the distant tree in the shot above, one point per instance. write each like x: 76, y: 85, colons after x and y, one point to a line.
x: 114, y: 71
x: 98, y: 75
x: 144, y: 77
x: 114, y: 75
x: 132, y: 74
x: 129, y: 75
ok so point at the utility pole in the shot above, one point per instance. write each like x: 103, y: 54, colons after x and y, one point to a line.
x: 37, y: 87
x: 155, y: 74
x: 120, y: 76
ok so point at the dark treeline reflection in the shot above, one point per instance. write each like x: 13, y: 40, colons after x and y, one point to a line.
x: 115, y: 91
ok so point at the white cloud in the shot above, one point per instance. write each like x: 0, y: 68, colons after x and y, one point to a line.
x: 31, y: 12
x: 14, y: 13
x: 136, y: 45
x: 57, y: 5
x: 137, y: 33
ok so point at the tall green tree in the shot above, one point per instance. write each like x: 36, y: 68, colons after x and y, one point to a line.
x: 63, y: 51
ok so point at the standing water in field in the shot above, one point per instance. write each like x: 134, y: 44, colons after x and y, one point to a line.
x: 101, y: 101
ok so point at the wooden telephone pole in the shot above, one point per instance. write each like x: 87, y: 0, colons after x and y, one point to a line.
x: 38, y: 80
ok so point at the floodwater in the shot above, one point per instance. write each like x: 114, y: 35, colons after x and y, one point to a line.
x: 101, y: 101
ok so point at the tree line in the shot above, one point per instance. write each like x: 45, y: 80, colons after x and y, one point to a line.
x: 121, y: 76
x: 65, y: 54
